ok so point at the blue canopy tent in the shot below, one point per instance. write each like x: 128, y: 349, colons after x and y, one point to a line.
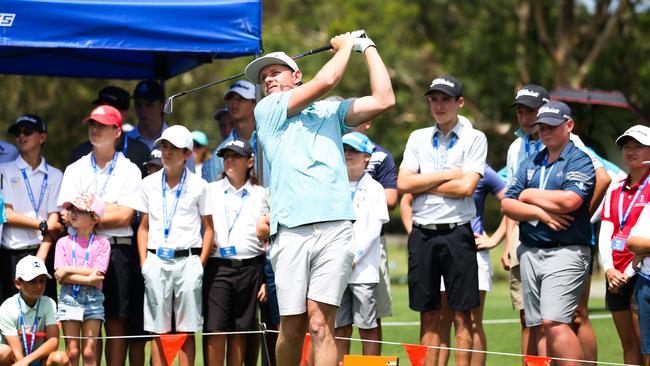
x: 124, y: 39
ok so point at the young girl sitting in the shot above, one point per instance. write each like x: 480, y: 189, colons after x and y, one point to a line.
x: 80, y: 261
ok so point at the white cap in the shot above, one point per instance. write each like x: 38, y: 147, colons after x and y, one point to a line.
x: 244, y: 88
x: 253, y: 69
x: 30, y: 267
x: 178, y: 136
x: 640, y: 133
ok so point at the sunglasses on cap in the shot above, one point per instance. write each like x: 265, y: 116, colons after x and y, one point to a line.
x: 27, y: 131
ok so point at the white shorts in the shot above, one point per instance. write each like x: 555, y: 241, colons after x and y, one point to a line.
x: 484, y: 272
x: 312, y: 262
x: 358, y: 306
x: 173, y: 283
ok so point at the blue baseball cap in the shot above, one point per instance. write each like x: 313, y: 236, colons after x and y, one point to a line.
x: 553, y: 113
x: 359, y: 142
x: 200, y: 138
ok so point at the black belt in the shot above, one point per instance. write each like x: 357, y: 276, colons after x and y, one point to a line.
x: 120, y: 240
x: 237, y: 263
x: 440, y: 227
x: 180, y: 253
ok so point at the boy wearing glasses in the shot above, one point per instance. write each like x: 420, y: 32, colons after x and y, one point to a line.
x: 30, y: 188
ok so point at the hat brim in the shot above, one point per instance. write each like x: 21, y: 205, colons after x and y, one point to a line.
x: 253, y: 69
x: 239, y: 152
x: 532, y: 104
x: 550, y: 121
x: 178, y: 146
x: 620, y: 141
x: 13, y: 128
x: 37, y: 274
x: 442, y: 90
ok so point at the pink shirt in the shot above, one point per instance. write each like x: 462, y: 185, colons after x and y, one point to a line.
x: 100, y: 253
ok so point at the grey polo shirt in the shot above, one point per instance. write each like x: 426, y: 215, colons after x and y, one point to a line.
x: 467, y: 153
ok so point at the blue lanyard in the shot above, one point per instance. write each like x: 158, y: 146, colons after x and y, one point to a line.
x: 538, y: 144
x: 110, y: 172
x: 30, y: 192
x: 167, y: 220
x: 623, y: 219
x: 356, y: 188
x: 439, y: 167
x: 77, y: 288
x: 542, y: 181
x: 231, y: 226
x: 126, y: 144
x: 23, y: 328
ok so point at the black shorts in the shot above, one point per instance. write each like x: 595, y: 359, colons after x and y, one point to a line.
x: 8, y: 260
x: 450, y: 253
x: 230, y: 294
x: 622, y: 300
x: 117, y: 282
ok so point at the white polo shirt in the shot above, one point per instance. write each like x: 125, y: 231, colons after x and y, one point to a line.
x: 235, y: 214
x: 194, y: 202
x: 371, y: 211
x: 468, y: 153
x: 15, y: 192
x: 10, y: 317
x: 119, y: 188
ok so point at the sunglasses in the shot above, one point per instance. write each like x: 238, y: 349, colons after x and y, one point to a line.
x: 27, y: 131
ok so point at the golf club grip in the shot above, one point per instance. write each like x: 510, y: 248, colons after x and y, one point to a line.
x: 315, y: 50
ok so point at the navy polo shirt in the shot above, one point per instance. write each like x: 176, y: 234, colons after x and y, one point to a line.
x: 572, y: 171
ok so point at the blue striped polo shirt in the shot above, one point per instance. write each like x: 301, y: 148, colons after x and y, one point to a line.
x: 309, y: 181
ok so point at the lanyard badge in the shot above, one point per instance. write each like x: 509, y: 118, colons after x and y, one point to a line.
x: 96, y: 172
x: 165, y: 252
x: 619, y: 240
x: 230, y: 250
x: 23, y: 328
x: 543, y: 178
x: 77, y: 288
x: 35, y: 205
x: 438, y: 162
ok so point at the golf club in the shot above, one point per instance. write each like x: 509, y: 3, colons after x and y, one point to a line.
x: 169, y: 103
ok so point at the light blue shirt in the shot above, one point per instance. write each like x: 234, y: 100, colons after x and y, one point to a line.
x: 309, y: 181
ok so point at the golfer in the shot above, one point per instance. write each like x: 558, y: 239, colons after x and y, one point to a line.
x: 311, y: 209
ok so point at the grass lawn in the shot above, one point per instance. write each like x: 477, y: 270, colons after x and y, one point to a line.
x: 501, y: 337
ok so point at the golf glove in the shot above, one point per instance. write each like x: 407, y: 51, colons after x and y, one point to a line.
x: 361, y: 41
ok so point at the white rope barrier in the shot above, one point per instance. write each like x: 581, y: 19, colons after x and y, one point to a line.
x: 392, y: 324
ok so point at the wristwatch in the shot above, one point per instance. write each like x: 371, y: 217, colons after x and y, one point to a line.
x: 43, y: 227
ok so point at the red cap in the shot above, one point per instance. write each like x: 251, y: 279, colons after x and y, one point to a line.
x: 106, y: 115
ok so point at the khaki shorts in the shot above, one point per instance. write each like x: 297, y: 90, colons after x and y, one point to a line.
x: 312, y: 262
x: 384, y: 298
x: 516, y: 297
x: 172, y: 284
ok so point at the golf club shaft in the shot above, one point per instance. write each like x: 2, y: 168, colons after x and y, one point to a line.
x: 310, y: 52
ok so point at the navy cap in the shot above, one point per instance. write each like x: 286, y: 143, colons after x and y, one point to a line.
x: 553, y: 113
x: 114, y: 96
x: 31, y: 120
x: 239, y: 147
x: 446, y: 84
x: 532, y: 96
x: 149, y: 89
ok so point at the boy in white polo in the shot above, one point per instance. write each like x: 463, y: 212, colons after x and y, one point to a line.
x: 175, y: 206
x: 30, y: 188
x: 359, y: 302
